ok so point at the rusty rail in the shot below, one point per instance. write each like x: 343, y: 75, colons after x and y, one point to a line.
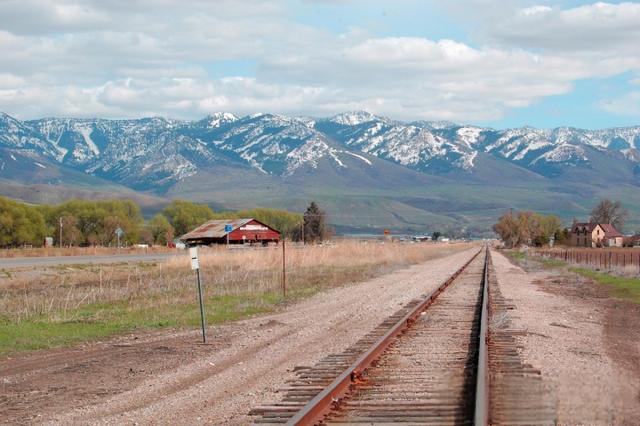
x: 315, y: 410
x: 481, y: 415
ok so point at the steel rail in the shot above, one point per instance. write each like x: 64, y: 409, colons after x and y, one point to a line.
x: 316, y: 409
x: 481, y: 414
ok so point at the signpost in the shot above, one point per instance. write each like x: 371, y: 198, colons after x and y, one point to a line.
x: 195, y: 265
x: 228, y: 228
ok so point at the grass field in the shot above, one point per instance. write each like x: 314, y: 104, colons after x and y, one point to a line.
x: 62, y: 305
x: 623, y: 285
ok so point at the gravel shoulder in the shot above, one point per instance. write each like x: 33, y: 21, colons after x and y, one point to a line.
x: 167, y: 378
x: 585, y: 343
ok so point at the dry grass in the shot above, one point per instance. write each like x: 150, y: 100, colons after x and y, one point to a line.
x: 79, y: 251
x: 244, y: 281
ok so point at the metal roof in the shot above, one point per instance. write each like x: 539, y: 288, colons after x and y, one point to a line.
x: 589, y: 226
x: 214, y: 229
x: 610, y: 231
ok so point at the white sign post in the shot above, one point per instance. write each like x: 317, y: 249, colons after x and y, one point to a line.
x: 195, y: 265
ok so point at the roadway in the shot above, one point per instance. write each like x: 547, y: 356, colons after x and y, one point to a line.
x: 20, y: 262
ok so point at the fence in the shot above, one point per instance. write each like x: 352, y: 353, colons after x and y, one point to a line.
x: 623, y: 258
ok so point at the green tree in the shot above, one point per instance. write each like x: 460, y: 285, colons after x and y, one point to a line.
x: 95, y: 221
x: 161, y: 230
x: 20, y: 224
x: 184, y: 216
x: 71, y: 235
x: 315, y: 227
x: 526, y: 227
x: 436, y: 235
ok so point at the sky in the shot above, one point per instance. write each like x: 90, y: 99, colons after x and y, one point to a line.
x: 501, y: 63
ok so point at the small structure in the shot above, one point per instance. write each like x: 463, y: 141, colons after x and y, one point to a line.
x: 235, y: 231
x: 595, y: 235
x: 631, y: 241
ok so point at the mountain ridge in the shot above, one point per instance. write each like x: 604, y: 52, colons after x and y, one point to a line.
x: 352, y: 154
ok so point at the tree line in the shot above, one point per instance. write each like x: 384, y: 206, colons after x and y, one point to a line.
x: 86, y: 223
x: 527, y: 227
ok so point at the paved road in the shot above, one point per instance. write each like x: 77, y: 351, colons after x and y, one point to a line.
x: 18, y: 262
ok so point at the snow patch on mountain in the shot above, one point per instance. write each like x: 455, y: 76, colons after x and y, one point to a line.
x: 468, y: 136
x: 352, y: 118
x: 219, y: 118
x: 310, y: 153
x: 353, y: 154
x: 466, y: 161
x: 563, y: 153
x: 86, y: 134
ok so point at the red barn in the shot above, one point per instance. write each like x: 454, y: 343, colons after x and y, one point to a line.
x: 238, y: 231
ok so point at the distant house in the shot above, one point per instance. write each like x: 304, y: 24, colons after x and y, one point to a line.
x: 632, y: 241
x: 235, y: 231
x: 595, y: 235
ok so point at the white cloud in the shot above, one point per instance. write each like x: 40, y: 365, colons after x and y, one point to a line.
x: 129, y: 59
x: 602, y: 27
x: 627, y: 104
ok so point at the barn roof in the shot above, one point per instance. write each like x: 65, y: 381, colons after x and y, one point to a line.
x: 214, y: 228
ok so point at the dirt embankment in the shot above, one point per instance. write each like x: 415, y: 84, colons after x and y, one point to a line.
x: 586, y: 343
x: 169, y: 378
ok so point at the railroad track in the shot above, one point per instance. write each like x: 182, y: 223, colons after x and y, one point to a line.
x: 433, y: 362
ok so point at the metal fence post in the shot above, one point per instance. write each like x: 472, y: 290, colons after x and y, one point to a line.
x: 204, y: 334
x: 284, y: 270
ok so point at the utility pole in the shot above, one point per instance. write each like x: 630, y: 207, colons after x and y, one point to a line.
x: 303, y: 231
x: 60, y: 231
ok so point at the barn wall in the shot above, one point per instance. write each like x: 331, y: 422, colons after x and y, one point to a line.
x: 254, y: 231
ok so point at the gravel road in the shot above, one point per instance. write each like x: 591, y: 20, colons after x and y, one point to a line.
x: 569, y: 337
x: 21, y: 262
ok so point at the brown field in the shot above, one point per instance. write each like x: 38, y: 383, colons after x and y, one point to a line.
x: 80, y: 251
x: 58, y: 305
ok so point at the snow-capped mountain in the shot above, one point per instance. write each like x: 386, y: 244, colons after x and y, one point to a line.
x: 155, y: 153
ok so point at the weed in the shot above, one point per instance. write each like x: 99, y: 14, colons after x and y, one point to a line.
x: 623, y: 287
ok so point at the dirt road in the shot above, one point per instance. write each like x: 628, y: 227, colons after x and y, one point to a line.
x: 23, y: 262
x: 586, y: 343
x: 168, y: 378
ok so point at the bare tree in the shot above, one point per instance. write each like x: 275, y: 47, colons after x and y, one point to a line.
x: 610, y: 212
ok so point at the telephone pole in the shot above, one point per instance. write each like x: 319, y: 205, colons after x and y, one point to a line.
x: 60, y: 231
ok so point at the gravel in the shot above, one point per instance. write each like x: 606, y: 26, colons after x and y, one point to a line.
x: 567, y: 339
x: 221, y: 387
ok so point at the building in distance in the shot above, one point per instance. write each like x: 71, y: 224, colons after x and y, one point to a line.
x: 595, y: 235
x: 233, y: 231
